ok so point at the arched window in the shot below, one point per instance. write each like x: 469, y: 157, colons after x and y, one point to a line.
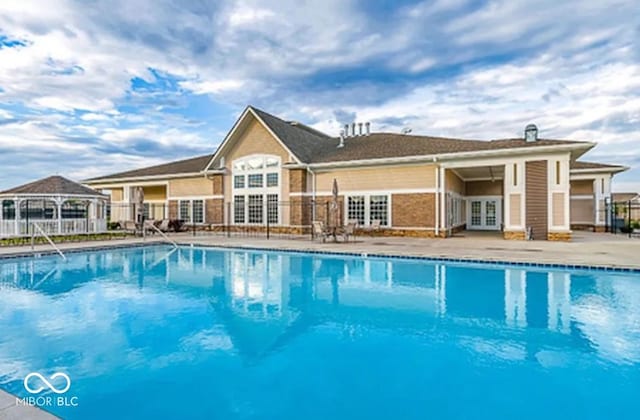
x: 256, y: 189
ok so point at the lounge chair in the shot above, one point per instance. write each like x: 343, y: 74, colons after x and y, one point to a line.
x: 129, y: 226
x: 164, y: 225
x: 375, y: 225
x: 319, y: 231
x: 149, y: 226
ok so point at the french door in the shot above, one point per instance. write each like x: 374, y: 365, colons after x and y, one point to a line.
x: 484, y: 214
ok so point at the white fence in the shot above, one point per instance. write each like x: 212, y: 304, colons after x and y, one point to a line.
x: 15, y: 228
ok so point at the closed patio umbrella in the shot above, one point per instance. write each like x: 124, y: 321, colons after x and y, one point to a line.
x: 139, y: 204
x: 334, y: 214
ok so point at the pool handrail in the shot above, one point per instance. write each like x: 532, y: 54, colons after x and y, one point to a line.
x: 43, y: 233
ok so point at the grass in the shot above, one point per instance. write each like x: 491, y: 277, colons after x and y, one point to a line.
x: 64, y: 238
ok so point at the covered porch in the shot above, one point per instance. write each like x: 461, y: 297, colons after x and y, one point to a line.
x: 53, y: 205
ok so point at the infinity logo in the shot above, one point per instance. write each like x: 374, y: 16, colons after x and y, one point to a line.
x: 47, y: 383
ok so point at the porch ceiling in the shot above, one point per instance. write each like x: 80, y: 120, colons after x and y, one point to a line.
x: 481, y: 172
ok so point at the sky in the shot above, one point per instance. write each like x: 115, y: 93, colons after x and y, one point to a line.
x: 94, y: 87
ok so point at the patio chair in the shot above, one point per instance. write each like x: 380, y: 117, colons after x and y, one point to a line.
x: 349, y: 230
x: 375, y: 225
x: 319, y: 231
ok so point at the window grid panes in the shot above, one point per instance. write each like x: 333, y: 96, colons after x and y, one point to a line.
x: 238, y: 181
x: 238, y: 209
x: 378, y: 209
x: 490, y: 217
x: 254, y: 181
x: 255, y: 208
x: 355, y: 209
x: 476, y: 213
x: 272, y: 208
x: 198, y: 211
x: 272, y: 180
x: 184, y: 211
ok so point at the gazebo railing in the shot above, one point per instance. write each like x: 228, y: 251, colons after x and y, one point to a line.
x: 13, y: 228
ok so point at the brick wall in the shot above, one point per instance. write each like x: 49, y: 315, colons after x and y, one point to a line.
x: 559, y: 236
x: 214, y: 211
x: 514, y: 235
x: 218, y: 182
x: 413, y: 210
x: 297, y: 180
x: 173, y: 209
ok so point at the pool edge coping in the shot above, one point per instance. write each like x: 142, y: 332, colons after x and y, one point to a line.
x: 301, y: 250
x: 27, y: 411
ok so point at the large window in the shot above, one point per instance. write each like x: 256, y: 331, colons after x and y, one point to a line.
x: 8, y: 210
x: 191, y: 211
x: 366, y: 209
x: 256, y: 190
x: 238, y: 209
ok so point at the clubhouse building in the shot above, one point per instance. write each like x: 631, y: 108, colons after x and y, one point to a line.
x: 268, y: 170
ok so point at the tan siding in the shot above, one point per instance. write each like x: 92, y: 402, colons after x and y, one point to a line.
x: 558, y: 209
x: 255, y: 140
x: 581, y: 187
x: 382, y: 178
x: 156, y: 192
x: 515, y: 206
x: 582, y: 211
x: 484, y: 187
x: 117, y: 194
x: 536, y: 199
x: 454, y: 183
x: 190, y: 187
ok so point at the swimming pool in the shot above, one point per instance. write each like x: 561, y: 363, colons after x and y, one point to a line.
x: 159, y: 333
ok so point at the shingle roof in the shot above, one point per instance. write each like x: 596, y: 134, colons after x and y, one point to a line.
x: 53, y: 185
x: 303, y: 141
x: 312, y: 146
x: 185, y: 166
x: 593, y: 165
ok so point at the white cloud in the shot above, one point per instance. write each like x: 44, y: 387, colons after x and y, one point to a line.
x: 213, y: 87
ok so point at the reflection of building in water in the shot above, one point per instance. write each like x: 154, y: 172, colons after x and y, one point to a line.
x: 559, y: 301
x: 515, y: 297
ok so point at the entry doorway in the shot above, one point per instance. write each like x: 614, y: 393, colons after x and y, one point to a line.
x: 484, y: 213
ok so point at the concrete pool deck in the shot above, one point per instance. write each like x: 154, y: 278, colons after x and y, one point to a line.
x: 10, y: 410
x: 587, y: 248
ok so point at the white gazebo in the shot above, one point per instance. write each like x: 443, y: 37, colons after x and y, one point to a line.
x: 57, y: 205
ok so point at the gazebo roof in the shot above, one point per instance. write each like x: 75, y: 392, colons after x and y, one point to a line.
x: 53, y: 185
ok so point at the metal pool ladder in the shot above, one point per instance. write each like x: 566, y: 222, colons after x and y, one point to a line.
x: 154, y: 227
x: 42, y: 232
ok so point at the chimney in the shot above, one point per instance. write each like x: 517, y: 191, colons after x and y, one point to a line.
x: 531, y: 133
x: 359, y: 129
x: 353, y: 129
x: 367, y: 126
x: 346, y: 130
x: 341, y: 144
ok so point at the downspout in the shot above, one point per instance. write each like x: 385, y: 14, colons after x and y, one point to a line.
x: 437, y: 207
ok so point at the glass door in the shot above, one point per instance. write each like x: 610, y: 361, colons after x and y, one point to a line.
x: 476, y: 214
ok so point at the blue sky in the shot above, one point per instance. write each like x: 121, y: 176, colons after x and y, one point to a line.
x: 89, y: 88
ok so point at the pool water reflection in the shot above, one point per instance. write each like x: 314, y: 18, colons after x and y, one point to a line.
x: 203, y: 333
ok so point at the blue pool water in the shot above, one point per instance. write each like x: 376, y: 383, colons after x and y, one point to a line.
x: 151, y: 333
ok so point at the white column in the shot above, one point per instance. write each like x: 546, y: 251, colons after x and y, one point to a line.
x: 17, y: 203
x: 59, y: 203
x: 443, y: 201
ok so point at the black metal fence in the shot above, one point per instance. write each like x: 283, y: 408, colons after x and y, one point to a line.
x: 250, y: 217
x: 623, y: 217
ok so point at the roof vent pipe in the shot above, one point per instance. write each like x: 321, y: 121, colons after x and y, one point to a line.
x: 359, y: 129
x: 341, y: 144
x: 346, y: 130
x: 531, y: 133
x: 367, y: 126
x: 353, y: 129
